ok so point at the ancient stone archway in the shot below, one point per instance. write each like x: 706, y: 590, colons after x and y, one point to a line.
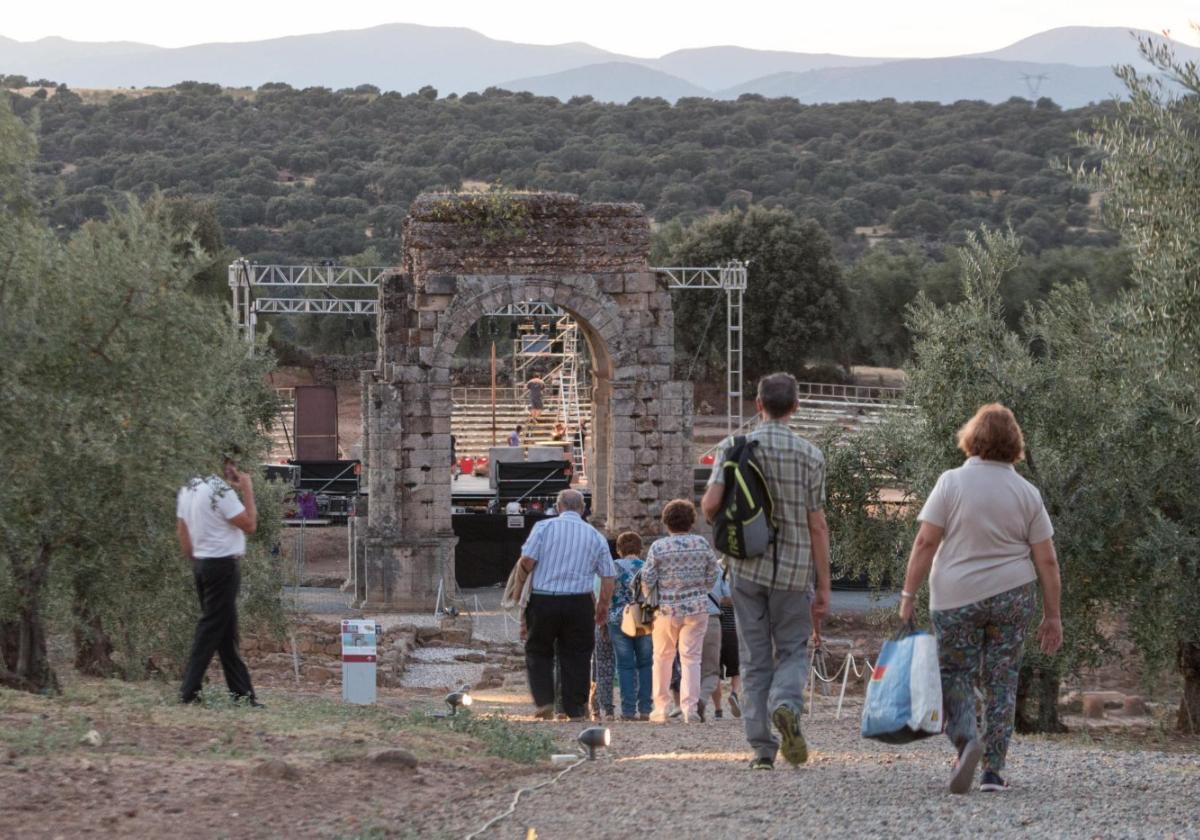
x: 466, y: 256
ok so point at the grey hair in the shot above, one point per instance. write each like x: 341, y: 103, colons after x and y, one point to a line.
x: 571, y: 500
x: 778, y: 393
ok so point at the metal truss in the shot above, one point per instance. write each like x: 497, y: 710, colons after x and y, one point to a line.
x: 315, y: 306
x: 316, y: 275
x: 730, y: 277
x: 245, y: 276
x: 530, y: 309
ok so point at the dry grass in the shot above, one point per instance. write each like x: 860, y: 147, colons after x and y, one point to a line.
x: 226, y: 770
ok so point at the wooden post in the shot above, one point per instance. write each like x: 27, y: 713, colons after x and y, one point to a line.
x: 493, y: 393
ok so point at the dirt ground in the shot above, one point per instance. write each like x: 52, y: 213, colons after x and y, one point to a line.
x: 300, y: 767
x: 303, y: 766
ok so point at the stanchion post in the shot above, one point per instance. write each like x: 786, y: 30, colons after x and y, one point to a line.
x: 846, y: 666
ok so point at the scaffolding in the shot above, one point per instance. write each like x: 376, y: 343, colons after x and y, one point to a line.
x: 245, y: 277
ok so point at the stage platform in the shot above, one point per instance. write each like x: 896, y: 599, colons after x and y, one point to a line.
x: 473, y: 491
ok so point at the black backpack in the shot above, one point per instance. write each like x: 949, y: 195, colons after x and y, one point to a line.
x: 744, y: 527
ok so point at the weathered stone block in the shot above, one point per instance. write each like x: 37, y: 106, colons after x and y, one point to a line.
x: 641, y: 282
x: 441, y: 284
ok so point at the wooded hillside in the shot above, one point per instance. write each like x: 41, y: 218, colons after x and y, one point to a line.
x: 321, y: 174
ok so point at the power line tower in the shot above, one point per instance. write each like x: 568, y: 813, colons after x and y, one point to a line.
x: 1033, y: 82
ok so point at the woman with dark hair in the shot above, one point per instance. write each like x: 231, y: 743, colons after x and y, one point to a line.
x: 987, y: 538
x: 684, y: 567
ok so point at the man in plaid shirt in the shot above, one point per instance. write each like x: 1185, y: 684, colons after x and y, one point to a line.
x: 776, y: 597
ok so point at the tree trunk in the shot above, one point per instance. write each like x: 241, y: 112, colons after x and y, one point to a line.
x: 1189, y: 706
x: 9, y: 638
x: 32, y: 671
x: 1037, y: 700
x: 93, y: 647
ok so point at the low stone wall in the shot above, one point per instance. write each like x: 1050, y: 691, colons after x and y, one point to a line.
x: 330, y: 370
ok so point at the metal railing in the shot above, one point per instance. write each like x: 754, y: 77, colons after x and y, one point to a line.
x: 506, y: 395
x: 851, y: 393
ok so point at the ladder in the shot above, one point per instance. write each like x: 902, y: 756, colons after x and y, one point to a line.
x: 568, y: 392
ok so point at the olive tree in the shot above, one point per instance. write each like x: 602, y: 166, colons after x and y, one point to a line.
x: 1151, y: 176
x: 118, y: 383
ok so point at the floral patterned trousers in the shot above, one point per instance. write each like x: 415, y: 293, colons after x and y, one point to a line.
x: 603, y: 671
x: 983, y: 641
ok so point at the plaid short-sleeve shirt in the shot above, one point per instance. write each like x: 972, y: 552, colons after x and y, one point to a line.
x: 795, y: 474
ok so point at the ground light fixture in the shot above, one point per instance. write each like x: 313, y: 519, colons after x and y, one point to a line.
x: 593, y: 737
x: 457, y: 698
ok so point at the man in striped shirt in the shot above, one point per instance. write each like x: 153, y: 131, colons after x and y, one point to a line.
x: 565, y: 555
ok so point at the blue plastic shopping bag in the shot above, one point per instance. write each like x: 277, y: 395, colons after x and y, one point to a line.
x: 904, y: 695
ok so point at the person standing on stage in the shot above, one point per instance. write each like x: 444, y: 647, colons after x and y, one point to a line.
x: 211, y: 523
x: 514, y: 438
x: 536, y: 386
x: 564, y: 555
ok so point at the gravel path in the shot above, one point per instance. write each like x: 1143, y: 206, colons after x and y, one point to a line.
x: 677, y: 780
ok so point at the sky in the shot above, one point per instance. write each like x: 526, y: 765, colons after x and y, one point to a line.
x: 645, y: 28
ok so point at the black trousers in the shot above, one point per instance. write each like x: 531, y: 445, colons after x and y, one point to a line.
x: 217, y: 582
x: 569, y: 621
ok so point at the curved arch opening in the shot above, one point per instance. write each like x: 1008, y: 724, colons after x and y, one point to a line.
x: 551, y: 378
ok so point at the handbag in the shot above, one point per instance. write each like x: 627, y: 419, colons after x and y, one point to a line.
x: 637, y: 618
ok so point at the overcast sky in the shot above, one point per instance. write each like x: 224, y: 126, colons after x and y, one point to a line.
x: 646, y: 28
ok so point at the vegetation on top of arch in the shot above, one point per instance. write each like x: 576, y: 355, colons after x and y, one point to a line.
x: 499, y: 214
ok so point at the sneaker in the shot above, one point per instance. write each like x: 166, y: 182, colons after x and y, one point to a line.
x: 735, y: 704
x: 964, y: 770
x: 643, y: 716
x: 675, y: 712
x: 629, y: 718
x: 700, y: 711
x: 657, y: 717
x: 762, y: 762
x: 992, y: 783
x: 793, y: 745
x: 544, y: 713
x: 717, y: 715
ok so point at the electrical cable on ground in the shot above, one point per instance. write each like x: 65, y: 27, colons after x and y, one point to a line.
x: 512, y: 808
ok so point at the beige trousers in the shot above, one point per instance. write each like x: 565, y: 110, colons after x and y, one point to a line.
x: 686, y: 633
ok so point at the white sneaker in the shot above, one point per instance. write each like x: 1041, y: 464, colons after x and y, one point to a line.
x: 658, y: 717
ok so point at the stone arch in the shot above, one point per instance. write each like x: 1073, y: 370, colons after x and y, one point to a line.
x: 598, y: 315
x: 589, y: 259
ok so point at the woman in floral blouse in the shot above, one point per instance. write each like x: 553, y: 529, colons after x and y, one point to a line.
x: 633, y: 652
x: 684, y: 567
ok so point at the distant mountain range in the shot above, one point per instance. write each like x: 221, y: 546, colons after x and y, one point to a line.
x: 1071, y: 65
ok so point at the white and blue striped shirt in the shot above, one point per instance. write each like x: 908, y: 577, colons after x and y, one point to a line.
x: 569, y: 552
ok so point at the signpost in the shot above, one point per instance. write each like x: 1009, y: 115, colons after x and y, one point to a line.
x: 359, y: 660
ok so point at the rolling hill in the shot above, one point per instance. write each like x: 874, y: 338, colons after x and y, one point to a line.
x: 406, y: 57
x: 944, y: 80
x: 610, y: 81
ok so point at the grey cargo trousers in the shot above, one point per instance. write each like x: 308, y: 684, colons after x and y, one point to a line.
x: 774, y: 626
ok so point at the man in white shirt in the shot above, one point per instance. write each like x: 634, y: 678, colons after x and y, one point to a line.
x: 211, y: 523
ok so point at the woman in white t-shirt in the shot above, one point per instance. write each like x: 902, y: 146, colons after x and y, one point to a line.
x: 986, y: 535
